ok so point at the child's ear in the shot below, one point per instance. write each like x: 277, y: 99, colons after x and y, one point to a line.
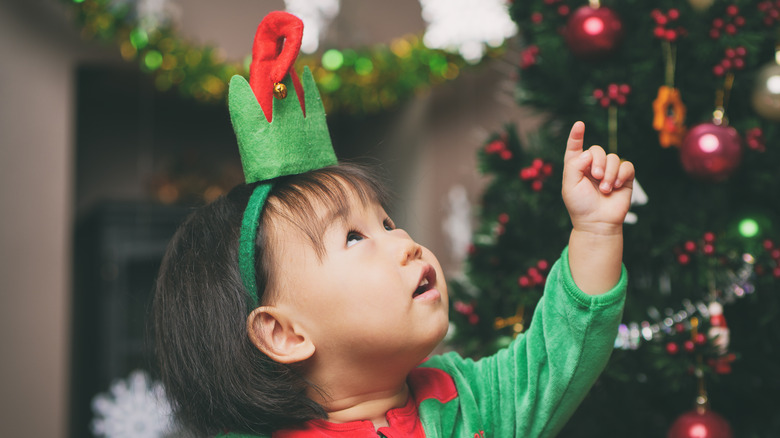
x: 276, y: 335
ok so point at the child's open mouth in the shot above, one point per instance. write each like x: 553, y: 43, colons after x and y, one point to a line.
x: 427, y: 281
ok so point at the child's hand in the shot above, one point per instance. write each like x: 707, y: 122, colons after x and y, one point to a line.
x: 596, y: 186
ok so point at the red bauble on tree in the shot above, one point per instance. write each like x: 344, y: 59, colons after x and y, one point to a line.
x: 711, y: 152
x: 700, y: 424
x: 593, y: 32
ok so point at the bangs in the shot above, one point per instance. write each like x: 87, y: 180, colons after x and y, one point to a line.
x: 297, y: 198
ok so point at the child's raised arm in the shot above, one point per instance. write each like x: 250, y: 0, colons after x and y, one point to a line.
x: 597, y: 192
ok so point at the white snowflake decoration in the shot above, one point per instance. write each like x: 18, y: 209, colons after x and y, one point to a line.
x: 151, y: 14
x: 133, y: 408
x: 316, y: 16
x: 465, y: 26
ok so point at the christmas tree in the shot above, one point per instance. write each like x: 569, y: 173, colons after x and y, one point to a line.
x: 689, y: 91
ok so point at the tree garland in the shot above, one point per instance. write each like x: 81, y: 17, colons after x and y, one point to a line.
x: 365, y: 80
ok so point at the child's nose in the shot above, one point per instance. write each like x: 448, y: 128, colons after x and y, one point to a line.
x: 410, y: 251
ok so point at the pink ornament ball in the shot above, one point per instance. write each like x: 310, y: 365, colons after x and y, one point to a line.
x: 695, y: 424
x: 593, y: 32
x: 711, y: 152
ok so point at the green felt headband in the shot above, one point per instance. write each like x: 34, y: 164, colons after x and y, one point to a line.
x: 296, y: 140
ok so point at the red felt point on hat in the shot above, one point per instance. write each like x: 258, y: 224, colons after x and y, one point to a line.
x: 276, y: 46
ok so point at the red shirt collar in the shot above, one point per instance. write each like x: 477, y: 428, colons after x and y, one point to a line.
x: 424, y: 384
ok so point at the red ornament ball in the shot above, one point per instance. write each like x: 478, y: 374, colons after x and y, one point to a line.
x: 695, y: 424
x: 711, y: 152
x: 593, y: 32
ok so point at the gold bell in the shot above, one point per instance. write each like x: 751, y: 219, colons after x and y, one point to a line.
x: 280, y: 90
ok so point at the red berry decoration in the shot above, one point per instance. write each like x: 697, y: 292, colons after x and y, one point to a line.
x: 615, y: 94
x: 593, y: 32
x: 535, y: 275
x: 467, y: 310
x: 524, y: 281
x: 672, y: 348
x: 700, y: 423
x: 498, y: 147
x: 664, y: 25
x: 729, y: 24
x: 528, y: 56
x: 754, y: 139
x: 733, y: 59
x: 495, y: 147
x: 771, y: 12
x: 536, y: 173
x: 711, y: 152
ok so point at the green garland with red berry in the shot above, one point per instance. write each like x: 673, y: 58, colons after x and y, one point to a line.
x: 354, y: 81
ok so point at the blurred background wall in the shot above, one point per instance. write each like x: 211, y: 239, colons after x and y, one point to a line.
x: 60, y: 155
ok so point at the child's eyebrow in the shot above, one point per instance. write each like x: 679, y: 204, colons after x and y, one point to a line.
x: 337, y: 216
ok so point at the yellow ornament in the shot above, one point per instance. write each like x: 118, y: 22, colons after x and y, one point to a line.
x: 669, y: 116
x: 701, y: 5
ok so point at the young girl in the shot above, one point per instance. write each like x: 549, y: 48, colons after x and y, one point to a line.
x: 326, y: 331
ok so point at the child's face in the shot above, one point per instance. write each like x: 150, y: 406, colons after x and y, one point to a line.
x: 374, y: 294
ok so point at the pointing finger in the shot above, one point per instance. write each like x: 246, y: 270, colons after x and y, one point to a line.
x: 574, y: 143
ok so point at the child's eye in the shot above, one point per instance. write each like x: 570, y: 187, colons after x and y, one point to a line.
x: 389, y: 225
x: 353, y: 237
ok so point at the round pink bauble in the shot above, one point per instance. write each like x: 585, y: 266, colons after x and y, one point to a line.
x: 695, y: 424
x: 593, y: 32
x: 711, y: 152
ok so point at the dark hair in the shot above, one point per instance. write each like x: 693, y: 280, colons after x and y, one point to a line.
x: 216, y: 379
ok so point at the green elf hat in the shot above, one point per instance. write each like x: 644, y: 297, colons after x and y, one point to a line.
x: 278, y: 134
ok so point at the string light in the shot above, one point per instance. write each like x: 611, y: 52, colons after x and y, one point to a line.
x: 351, y: 80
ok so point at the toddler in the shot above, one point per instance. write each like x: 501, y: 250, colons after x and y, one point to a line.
x: 294, y: 306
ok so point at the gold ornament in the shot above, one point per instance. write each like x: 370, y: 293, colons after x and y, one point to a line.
x: 701, y: 5
x: 669, y: 116
x: 280, y: 90
x: 766, y: 94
